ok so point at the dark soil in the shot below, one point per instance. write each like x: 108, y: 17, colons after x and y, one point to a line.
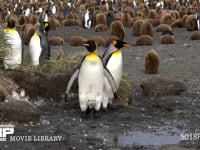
x: 147, y: 123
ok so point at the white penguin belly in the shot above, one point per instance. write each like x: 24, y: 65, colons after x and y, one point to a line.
x: 114, y: 65
x: 35, y: 49
x: 13, y: 56
x: 90, y: 81
x: 86, y: 23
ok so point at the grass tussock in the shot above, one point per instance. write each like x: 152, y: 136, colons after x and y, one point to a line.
x: 125, y: 89
x: 4, y: 45
x: 60, y: 64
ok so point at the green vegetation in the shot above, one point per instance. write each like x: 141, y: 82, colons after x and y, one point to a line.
x: 3, y: 43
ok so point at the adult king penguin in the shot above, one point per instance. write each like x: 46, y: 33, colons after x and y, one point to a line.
x: 14, y: 54
x: 112, y: 59
x: 90, y: 74
x: 88, y: 19
x: 39, y: 47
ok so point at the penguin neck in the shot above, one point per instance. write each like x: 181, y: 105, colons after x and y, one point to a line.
x: 92, y: 56
x: 117, y: 52
x: 112, y: 49
x: 9, y: 30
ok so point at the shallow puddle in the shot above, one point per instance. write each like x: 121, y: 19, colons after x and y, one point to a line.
x: 134, y: 139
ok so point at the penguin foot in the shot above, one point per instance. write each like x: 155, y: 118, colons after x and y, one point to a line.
x: 110, y: 107
x: 66, y: 97
x: 84, y: 114
x: 105, y: 110
x: 95, y: 114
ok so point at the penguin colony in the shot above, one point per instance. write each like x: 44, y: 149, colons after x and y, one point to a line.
x: 29, y: 24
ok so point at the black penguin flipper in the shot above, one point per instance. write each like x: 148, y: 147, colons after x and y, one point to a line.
x: 110, y: 79
x: 46, y: 52
x: 74, y: 76
x: 107, y: 54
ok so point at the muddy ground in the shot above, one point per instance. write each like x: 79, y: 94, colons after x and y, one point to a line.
x: 141, y: 125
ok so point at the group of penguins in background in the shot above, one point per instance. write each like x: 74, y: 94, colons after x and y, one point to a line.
x: 39, y: 48
x: 98, y: 76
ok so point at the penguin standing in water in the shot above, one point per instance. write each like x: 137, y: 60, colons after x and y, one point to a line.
x: 39, y: 47
x: 14, y: 54
x: 90, y: 74
x: 112, y: 59
x: 88, y: 19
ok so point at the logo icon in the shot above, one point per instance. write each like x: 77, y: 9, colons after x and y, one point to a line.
x: 5, y: 130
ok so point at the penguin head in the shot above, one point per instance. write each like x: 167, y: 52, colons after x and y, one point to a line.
x: 11, y: 23
x: 90, y: 45
x: 119, y: 44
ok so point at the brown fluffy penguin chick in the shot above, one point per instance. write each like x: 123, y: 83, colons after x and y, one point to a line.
x: 100, y: 28
x: 146, y: 29
x: 76, y: 40
x: 152, y: 62
x: 137, y: 27
x: 177, y: 23
x: 166, y: 19
x: 100, y: 18
x: 152, y: 14
x: 33, y: 19
x: 28, y: 33
x: 71, y: 15
x: 99, y: 40
x: 22, y: 20
x: 144, y: 40
x: 56, y: 41
x: 167, y: 39
x: 163, y: 27
x: 117, y: 29
x: 126, y: 20
x: 190, y: 23
x: 53, y: 23
x: 69, y: 22
x: 195, y: 35
x: 183, y: 20
x: 110, y: 39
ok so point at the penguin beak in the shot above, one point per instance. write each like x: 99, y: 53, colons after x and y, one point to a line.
x: 127, y: 45
x: 85, y: 44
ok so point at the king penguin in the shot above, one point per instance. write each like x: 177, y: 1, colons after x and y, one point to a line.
x: 88, y: 19
x: 90, y: 73
x: 44, y: 18
x: 198, y: 20
x: 14, y: 54
x: 112, y: 59
x: 39, y: 47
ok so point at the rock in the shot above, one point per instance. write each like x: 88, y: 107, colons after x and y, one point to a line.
x: 19, y: 110
x: 167, y: 103
x: 157, y: 86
